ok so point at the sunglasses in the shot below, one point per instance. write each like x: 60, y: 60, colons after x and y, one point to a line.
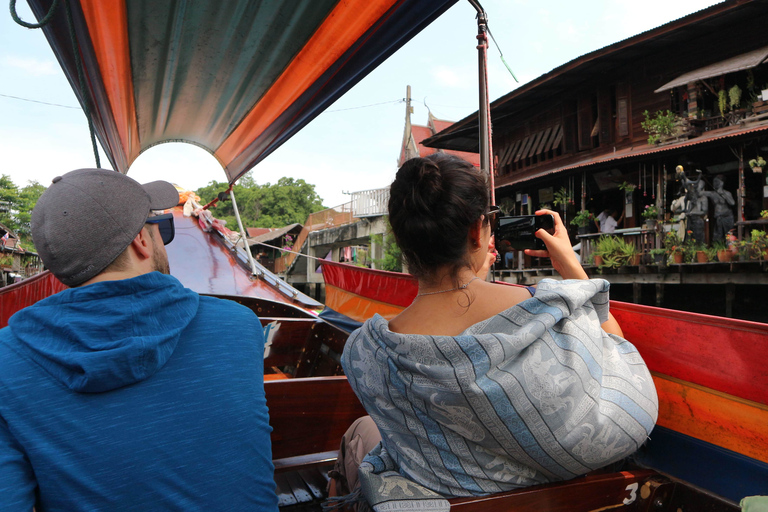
x: 165, y: 225
x: 493, y: 214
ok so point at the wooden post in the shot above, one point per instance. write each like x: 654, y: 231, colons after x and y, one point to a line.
x: 730, y: 295
x: 659, y: 294
x: 637, y: 292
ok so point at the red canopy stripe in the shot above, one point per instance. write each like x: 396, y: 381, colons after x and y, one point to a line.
x: 710, y: 351
x: 108, y: 29
x: 391, y: 288
x: 346, y: 24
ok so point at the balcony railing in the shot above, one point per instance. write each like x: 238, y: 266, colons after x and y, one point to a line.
x: 370, y: 203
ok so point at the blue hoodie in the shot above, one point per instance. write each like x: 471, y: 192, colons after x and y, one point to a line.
x: 134, y: 395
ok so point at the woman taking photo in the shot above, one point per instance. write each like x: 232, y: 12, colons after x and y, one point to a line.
x: 478, y: 388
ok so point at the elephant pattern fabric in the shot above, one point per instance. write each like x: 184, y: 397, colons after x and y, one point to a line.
x: 537, y: 393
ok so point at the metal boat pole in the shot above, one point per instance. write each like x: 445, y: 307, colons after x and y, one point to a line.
x: 242, y: 234
x: 484, y: 112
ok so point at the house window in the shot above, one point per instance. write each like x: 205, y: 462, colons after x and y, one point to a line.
x: 622, y: 108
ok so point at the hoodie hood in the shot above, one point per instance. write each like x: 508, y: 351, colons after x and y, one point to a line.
x: 106, y: 335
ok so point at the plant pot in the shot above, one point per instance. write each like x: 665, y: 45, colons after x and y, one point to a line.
x: 598, y: 260
x: 583, y: 230
x: 677, y: 257
x: 701, y: 257
x: 650, y: 224
x: 757, y: 169
x: 724, y: 256
x: 635, y: 260
x: 660, y: 259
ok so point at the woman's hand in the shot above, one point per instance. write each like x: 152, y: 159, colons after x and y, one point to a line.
x: 559, y: 249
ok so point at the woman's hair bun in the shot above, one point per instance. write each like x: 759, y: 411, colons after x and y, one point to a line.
x: 423, y: 178
x: 433, y: 202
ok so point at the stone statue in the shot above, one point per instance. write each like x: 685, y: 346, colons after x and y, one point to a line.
x: 695, y: 210
x: 724, y: 202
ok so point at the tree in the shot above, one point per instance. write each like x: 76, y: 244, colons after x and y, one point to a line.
x: 267, y: 206
x: 16, y: 207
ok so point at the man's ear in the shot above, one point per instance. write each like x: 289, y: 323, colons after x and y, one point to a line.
x: 142, y: 244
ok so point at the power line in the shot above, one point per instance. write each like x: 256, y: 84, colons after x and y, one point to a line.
x: 40, y: 102
x: 366, y: 106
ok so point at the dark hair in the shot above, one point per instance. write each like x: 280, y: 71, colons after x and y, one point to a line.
x: 433, y: 203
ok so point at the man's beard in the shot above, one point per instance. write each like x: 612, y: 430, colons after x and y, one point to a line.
x: 159, y: 256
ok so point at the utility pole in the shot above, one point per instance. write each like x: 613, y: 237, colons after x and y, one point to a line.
x: 409, y: 144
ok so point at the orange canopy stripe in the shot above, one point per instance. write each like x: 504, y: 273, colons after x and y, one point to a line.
x: 346, y: 24
x: 108, y: 29
x: 357, y: 307
x: 727, y: 421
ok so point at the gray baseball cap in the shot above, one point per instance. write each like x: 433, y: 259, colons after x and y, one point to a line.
x: 88, y: 217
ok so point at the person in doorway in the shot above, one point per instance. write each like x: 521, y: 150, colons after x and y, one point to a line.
x: 128, y: 391
x: 610, y: 223
x: 478, y: 388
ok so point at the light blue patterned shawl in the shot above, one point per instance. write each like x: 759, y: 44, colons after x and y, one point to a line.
x: 535, y: 394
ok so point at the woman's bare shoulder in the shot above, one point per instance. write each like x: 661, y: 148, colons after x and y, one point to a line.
x: 452, y: 315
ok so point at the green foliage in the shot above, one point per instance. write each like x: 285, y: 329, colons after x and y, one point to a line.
x: 393, y: 256
x: 582, y: 218
x: 16, y: 207
x: 659, y: 127
x: 672, y: 243
x: 650, y: 212
x: 266, y: 206
x: 615, y: 251
x: 627, y: 187
x: 562, y: 198
x: 722, y: 102
x: 758, y: 244
x: 757, y: 162
x: 734, y: 97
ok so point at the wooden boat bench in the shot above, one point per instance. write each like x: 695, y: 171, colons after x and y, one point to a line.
x: 309, y: 417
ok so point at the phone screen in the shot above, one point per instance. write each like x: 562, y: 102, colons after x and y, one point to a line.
x: 520, y: 231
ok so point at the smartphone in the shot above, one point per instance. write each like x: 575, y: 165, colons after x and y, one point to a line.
x: 520, y: 230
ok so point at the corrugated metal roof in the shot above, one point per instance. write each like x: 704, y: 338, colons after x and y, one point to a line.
x: 741, y: 62
x: 462, y: 135
x: 272, y: 235
x: 644, y: 150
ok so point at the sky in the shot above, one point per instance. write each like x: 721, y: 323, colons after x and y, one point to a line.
x: 352, y: 146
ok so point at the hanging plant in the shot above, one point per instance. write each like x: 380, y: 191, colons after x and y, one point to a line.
x: 627, y: 187
x: 734, y: 97
x: 562, y: 198
x: 722, y: 102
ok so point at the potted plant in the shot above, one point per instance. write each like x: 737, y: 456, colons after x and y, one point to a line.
x: 606, y: 252
x: 711, y: 253
x: 650, y: 214
x: 674, y: 246
x: 764, y: 214
x: 723, y: 252
x: 562, y: 198
x: 659, y: 256
x: 627, y: 187
x: 630, y: 253
x: 614, y: 252
x: 582, y: 220
x: 758, y: 245
x: 757, y: 165
x: 701, y: 253
x: 664, y: 125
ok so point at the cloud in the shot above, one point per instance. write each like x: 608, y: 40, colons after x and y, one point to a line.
x: 34, y: 67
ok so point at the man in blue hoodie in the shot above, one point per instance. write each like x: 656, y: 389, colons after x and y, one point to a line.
x: 128, y: 391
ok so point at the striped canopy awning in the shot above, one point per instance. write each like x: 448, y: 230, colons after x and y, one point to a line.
x: 235, y: 77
